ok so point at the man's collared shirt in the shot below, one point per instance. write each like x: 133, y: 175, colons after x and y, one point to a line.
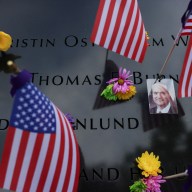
x: 165, y: 110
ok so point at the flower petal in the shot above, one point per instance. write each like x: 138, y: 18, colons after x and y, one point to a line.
x: 125, y: 88
x: 120, y: 69
x: 128, y: 82
x: 124, y: 74
x: 119, y: 87
x: 149, y: 163
x: 112, y: 80
x: 115, y: 87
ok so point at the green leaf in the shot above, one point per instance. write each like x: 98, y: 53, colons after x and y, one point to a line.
x: 138, y: 186
x: 108, y: 93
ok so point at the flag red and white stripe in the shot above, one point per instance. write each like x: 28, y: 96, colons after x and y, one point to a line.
x: 185, y: 81
x: 187, y: 29
x: 41, y: 162
x: 119, y: 27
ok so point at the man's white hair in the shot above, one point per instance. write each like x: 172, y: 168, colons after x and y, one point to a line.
x: 160, y: 84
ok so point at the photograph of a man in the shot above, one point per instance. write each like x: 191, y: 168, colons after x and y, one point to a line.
x: 161, y: 97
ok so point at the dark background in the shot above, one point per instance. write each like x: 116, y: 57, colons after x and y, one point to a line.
x: 108, y: 155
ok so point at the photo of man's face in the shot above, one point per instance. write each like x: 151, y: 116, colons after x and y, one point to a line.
x: 161, y: 97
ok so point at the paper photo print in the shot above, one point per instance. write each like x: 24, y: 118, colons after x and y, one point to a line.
x: 161, y: 95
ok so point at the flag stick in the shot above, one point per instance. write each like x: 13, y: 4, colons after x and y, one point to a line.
x: 170, y: 53
x: 177, y: 175
x: 173, y: 47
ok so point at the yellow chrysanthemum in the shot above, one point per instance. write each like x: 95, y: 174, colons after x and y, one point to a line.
x: 149, y: 164
x: 129, y: 94
x: 5, y: 41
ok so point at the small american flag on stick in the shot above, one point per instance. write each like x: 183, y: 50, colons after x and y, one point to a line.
x: 119, y: 28
x: 185, y: 82
x: 187, y: 28
x: 40, y: 152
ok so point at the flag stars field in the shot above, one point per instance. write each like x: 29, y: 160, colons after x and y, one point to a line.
x: 31, y: 123
x: 35, y: 106
x: 21, y: 99
x: 37, y: 112
x: 25, y: 105
x: 27, y: 96
x: 29, y: 110
x: 23, y: 90
x: 17, y: 115
x: 19, y: 107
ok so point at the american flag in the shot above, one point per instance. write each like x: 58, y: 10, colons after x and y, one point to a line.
x: 119, y: 27
x: 187, y: 29
x: 40, y: 152
x: 185, y: 81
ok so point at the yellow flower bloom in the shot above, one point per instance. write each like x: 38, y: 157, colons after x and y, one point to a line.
x: 129, y: 94
x: 149, y: 164
x: 5, y: 41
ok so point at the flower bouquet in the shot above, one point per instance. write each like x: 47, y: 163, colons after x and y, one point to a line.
x: 150, y: 166
x: 120, y: 88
